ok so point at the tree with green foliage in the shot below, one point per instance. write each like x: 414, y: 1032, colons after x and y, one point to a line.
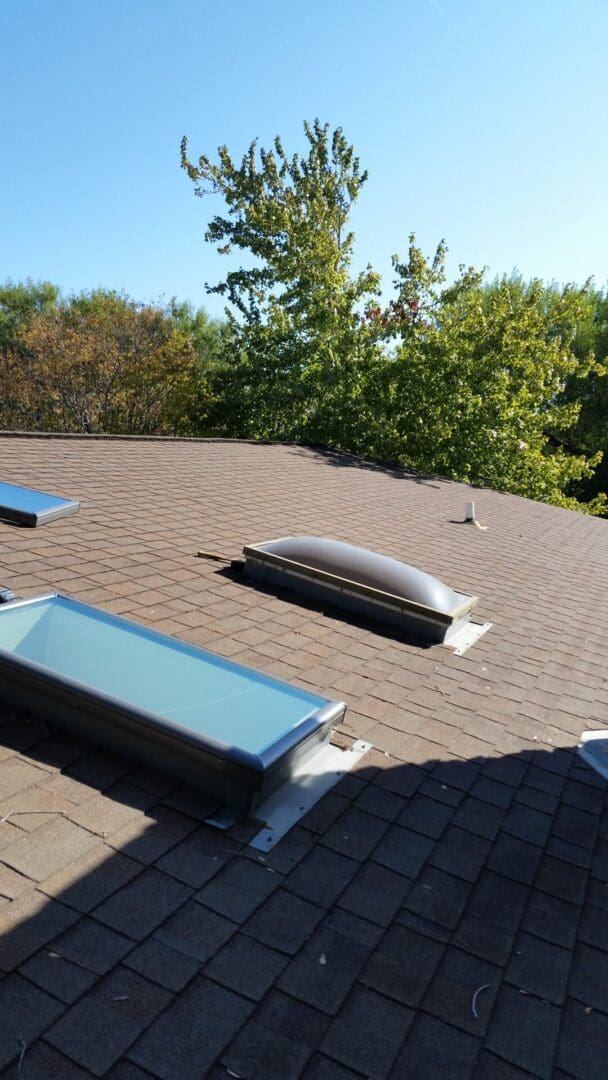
x: 19, y: 303
x: 298, y: 349
x: 206, y: 335
x: 590, y: 432
x: 474, y: 388
x: 466, y: 381
x: 210, y: 339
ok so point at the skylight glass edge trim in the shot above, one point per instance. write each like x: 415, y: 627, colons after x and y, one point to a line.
x: 66, y: 509
x: 14, y: 514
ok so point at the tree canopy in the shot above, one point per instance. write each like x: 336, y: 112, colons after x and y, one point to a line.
x: 20, y: 302
x: 477, y: 381
x: 590, y: 432
x: 474, y: 389
x: 98, y: 362
x: 297, y: 338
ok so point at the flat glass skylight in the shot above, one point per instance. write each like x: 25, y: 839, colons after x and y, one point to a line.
x: 188, y: 710
x: 27, y: 506
x: 204, y: 693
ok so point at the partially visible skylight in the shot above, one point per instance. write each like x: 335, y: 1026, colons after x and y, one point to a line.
x: 27, y: 506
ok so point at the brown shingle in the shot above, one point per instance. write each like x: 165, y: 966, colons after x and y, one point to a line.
x: 471, y: 841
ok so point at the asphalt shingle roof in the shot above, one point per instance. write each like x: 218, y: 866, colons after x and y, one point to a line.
x: 443, y: 912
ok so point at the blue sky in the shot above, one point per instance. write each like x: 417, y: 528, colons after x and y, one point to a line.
x: 481, y: 121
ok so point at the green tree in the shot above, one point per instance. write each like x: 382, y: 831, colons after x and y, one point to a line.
x: 297, y: 349
x: 467, y: 381
x: 207, y: 335
x: 19, y: 303
x: 476, y: 380
x: 210, y: 339
x: 590, y: 432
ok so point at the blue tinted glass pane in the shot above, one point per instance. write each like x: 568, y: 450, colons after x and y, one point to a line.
x: 27, y: 499
x: 210, y: 696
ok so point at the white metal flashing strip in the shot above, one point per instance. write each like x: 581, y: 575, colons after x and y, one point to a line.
x: 466, y: 636
x: 593, y: 748
x: 315, y: 778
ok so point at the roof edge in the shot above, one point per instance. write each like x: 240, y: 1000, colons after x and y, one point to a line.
x: 372, y: 463
x: 398, y: 470
x: 96, y: 437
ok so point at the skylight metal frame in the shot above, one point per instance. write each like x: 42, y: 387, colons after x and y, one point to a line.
x: 434, y: 625
x: 17, y: 515
x: 235, y: 776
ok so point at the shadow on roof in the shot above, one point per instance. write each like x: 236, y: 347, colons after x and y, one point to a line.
x: 343, y: 459
x: 466, y: 853
x: 304, y: 603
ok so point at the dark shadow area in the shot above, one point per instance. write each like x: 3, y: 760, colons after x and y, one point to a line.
x: 15, y: 524
x: 343, y: 459
x: 305, y: 603
x: 421, y: 884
